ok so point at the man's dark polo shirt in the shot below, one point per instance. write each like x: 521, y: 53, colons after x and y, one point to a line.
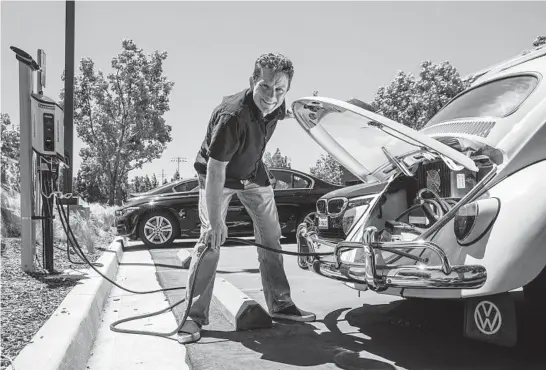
x: 237, y: 133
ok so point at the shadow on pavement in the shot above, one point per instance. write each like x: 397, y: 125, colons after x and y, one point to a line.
x: 294, y: 344
x: 248, y: 271
x: 176, y: 267
x: 418, y: 334
x: 137, y: 245
x: 412, y: 334
x: 299, y: 344
x: 143, y: 247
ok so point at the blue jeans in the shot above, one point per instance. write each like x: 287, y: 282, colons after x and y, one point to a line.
x: 259, y: 202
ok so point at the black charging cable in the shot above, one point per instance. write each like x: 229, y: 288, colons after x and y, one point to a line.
x: 113, y: 326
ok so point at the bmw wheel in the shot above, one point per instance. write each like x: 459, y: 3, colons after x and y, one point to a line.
x: 158, y: 229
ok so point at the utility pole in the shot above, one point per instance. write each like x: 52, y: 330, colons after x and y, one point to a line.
x: 69, y: 94
x: 178, y: 160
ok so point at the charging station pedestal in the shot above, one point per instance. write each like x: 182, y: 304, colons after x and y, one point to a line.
x: 41, y: 150
x: 28, y: 230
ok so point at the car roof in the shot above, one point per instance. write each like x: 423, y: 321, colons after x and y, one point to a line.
x: 495, y: 70
x: 316, y: 179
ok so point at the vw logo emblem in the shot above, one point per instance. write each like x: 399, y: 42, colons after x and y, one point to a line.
x: 488, y: 317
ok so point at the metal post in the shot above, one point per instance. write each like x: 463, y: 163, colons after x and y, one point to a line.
x: 47, y: 222
x: 69, y: 94
x: 28, y: 231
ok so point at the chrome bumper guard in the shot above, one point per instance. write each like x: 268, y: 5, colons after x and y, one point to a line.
x: 379, y: 277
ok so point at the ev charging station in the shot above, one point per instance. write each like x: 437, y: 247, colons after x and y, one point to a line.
x: 41, y: 156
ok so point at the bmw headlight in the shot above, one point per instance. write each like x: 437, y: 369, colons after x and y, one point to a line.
x: 356, y: 207
x: 123, y: 211
x: 474, y: 220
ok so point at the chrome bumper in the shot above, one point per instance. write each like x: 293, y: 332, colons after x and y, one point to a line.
x: 379, y: 276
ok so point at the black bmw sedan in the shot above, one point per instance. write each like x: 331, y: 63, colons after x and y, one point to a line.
x: 174, y: 209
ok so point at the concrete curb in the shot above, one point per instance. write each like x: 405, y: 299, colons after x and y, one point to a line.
x: 65, y: 341
x: 241, y: 311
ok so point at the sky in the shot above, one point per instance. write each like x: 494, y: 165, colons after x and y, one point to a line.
x: 342, y: 49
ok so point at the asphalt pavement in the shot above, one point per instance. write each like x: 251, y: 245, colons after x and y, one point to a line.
x: 372, y: 331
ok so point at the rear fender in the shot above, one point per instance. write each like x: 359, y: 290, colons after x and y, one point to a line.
x: 513, y: 250
x: 516, y: 249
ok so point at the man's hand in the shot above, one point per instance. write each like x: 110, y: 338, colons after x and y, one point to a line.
x: 216, y: 234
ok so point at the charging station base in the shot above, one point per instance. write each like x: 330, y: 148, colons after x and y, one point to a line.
x: 68, y: 274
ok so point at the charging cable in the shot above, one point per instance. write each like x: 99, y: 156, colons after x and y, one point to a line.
x: 113, y: 326
x: 53, y: 190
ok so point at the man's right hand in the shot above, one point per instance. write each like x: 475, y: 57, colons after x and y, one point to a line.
x: 216, y: 235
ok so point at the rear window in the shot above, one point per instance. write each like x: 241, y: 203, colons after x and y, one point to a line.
x: 495, y: 99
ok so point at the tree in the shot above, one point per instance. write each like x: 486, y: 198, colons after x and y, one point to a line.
x: 327, y: 169
x: 412, y: 101
x: 120, y: 117
x: 90, y: 182
x: 147, y: 183
x: 276, y: 160
x: 155, y: 183
x: 136, y: 184
x: 176, y: 176
x: 11, y: 175
x: 142, y: 184
x: 123, y: 190
x: 539, y: 41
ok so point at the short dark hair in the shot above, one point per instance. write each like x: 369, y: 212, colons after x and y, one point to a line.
x: 277, y: 62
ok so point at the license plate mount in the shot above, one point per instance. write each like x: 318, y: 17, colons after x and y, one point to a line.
x: 323, y: 222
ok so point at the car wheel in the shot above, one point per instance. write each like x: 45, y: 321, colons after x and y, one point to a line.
x: 535, y: 293
x: 309, y: 219
x: 158, y: 229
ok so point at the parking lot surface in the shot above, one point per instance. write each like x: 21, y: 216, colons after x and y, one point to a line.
x: 368, y: 332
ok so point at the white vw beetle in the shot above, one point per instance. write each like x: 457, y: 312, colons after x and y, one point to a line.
x: 463, y: 214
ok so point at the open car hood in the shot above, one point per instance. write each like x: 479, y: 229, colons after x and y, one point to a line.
x: 359, y: 139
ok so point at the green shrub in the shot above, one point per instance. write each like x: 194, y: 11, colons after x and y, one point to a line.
x: 11, y: 212
x: 104, y: 217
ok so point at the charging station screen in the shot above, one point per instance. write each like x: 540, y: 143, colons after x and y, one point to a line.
x: 49, y: 132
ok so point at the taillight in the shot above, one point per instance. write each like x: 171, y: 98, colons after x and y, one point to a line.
x: 475, y: 219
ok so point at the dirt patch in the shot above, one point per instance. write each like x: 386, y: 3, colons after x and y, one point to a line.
x: 28, y: 300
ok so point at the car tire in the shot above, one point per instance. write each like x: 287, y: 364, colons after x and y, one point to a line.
x: 158, y: 229
x: 308, y: 218
x: 535, y: 294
